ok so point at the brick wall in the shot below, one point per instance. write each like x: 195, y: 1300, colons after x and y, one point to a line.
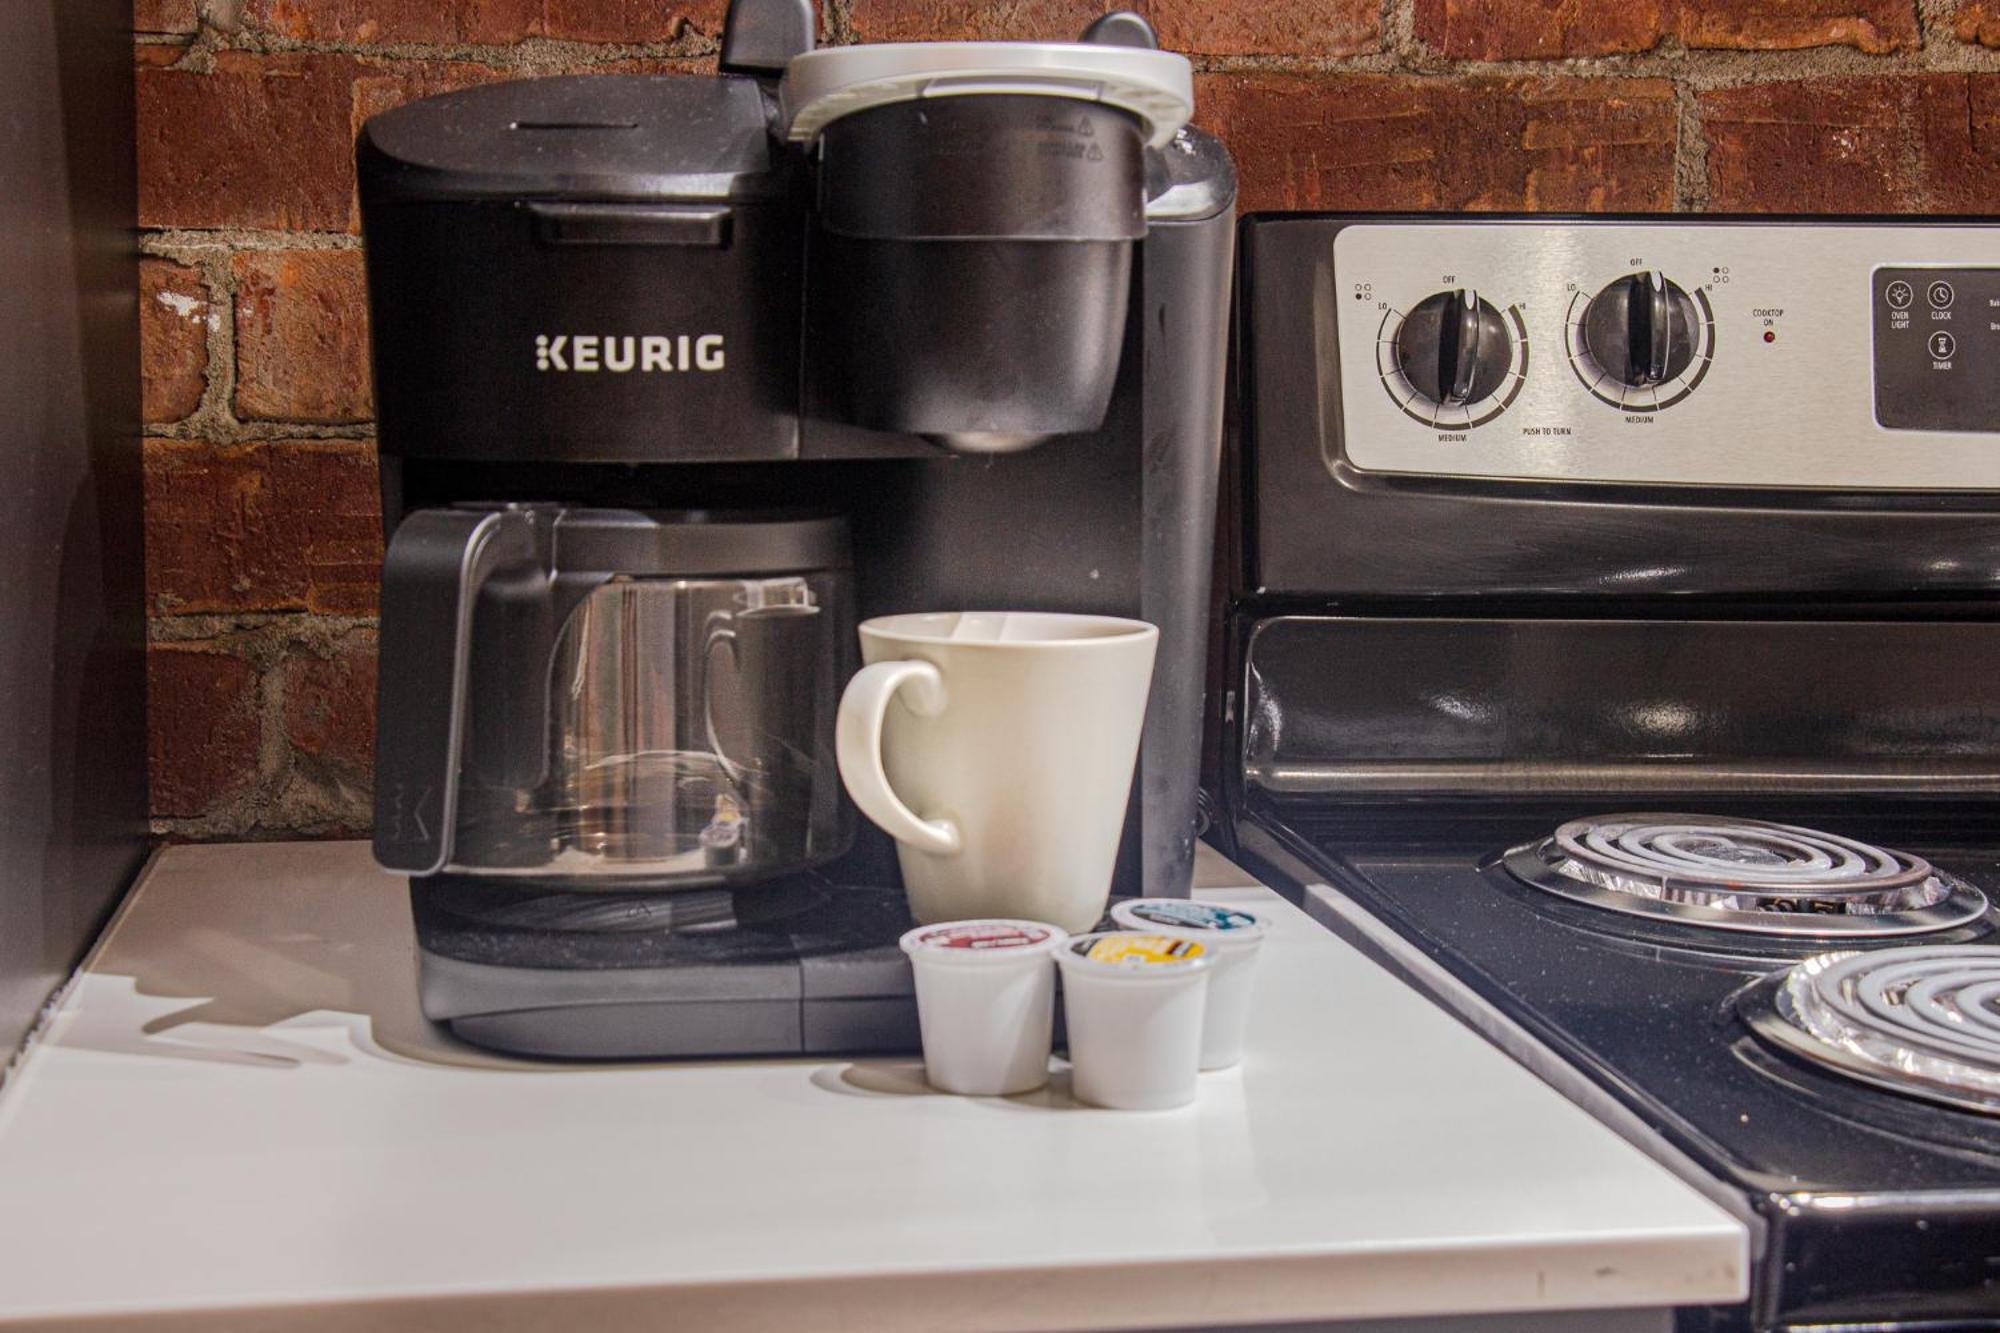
x: 262, y: 513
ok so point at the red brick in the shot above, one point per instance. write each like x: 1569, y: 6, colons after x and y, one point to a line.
x: 1268, y: 27
x: 201, y: 707
x: 290, y: 525
x: 330, y: 703
x: 626, y: 20
x: 482, y: 22
x: 1398, y: 142
x: 301, y: 336
x: 174, y: 318
x: 972, y: 20
x: 1550, y: 29
x: 1875, y: 26
x: 1979, y: 23
x: 263, y: 141
x: 1537, y: 29
x: 496, y: 22
x: 1197, y: 27
x: 164, y: 16
x: 1902, y: 143
x: 1958, y: 141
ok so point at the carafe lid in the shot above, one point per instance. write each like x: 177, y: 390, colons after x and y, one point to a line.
x: 681, y: 543
x: 661, y: 138
x: 698, y: 543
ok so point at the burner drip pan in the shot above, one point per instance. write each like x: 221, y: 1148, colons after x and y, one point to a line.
x: 1745, y: 875
x: 1919, y: 1020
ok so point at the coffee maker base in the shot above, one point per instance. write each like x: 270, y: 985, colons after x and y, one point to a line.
x: 797, y: 967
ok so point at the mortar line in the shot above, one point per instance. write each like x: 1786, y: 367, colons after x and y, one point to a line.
x: 179, y: 242
x: 1691, y: 191
x: 227, y: 429
x: 224, y: 626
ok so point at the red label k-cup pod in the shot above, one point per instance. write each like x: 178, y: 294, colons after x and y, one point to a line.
x: 985, y: 1001
x: 982, y: 935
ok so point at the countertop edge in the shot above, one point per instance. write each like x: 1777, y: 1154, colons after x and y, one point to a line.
x: 1711, y: 1267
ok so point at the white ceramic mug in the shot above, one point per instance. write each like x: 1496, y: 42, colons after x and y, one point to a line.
x: 997, y: 749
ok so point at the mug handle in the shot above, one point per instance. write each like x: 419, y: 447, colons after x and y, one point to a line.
x: 858, y: 745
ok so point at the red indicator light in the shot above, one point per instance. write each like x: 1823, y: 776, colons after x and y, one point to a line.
x: 1770, y: 335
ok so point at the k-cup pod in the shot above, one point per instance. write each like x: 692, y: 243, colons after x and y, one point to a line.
x: 1234, y: 937
x: 986, y: 994
x: 1134, y: 1003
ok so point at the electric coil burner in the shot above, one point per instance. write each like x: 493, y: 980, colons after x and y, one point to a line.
x: 1745, y: 875
x: 1919, y: 1020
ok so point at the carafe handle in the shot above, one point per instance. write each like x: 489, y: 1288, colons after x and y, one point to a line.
x: 436, y: 564
x: 721, y: 634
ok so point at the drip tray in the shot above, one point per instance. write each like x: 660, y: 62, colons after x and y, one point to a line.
x: 799, y: 966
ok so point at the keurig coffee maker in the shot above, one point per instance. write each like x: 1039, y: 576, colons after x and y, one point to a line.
x: 676, y: 378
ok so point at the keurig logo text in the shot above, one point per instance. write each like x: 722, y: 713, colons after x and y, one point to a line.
x: 655, y: 351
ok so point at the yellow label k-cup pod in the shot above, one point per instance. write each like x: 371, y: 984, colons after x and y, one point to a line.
x: 1131, y: 950
x: 1135, y: 1002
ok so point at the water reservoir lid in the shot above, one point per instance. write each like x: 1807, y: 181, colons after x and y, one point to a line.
x: 639, y: 138
x: 819, y: 87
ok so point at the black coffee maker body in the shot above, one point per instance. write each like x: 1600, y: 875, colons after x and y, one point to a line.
x: 926, y: 327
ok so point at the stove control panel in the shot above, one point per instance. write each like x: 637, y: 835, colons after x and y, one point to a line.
x: 1687, y: 352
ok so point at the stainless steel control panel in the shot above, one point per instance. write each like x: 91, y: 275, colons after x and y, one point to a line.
x: 1794, y: 355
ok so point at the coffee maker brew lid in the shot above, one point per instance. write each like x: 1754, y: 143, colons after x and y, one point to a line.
x: 638, y: 138
x: 820, y: 87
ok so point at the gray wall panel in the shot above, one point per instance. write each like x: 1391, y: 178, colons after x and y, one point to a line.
x: 72, y: 681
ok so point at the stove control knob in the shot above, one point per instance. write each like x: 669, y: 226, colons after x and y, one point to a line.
x: 1454, y: 348
x: 1640, y: 330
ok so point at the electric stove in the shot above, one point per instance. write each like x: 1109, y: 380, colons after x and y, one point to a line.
x: 1875, y: 1191
x: 1610, y: 650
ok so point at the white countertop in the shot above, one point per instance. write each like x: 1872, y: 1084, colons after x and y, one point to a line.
x: 239, y: 1110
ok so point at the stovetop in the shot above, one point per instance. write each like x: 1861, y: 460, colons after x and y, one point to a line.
x: 1856, y: 1184
x: 1647, y: 1008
